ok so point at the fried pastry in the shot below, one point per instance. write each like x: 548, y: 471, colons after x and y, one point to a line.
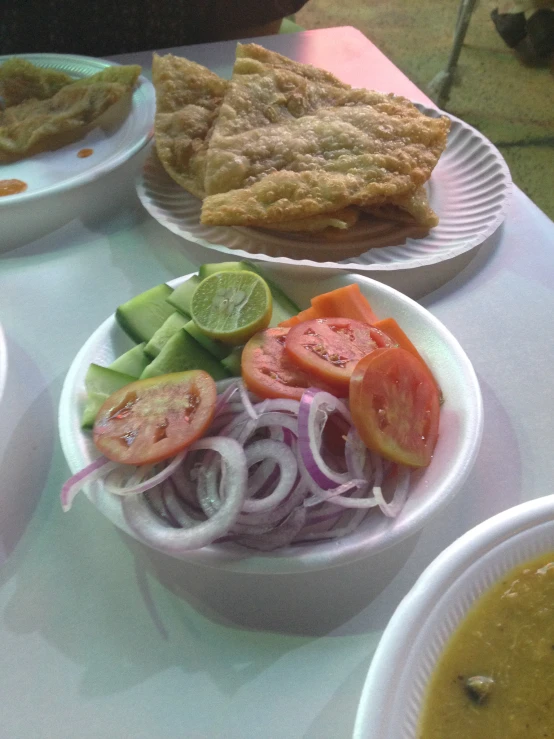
x: 188, y: 99
x: 21, y: 80
x: 288, y: 144
x: 37, y: 125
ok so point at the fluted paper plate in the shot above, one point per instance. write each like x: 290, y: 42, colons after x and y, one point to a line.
x: 469, y: 190
x: 113, y: 142
x: 394, y: 691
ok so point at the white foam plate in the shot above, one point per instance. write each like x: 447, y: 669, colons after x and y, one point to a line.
x: 459, y: 435
x: 113, y: 143
x: 394, y: 691
x: 469, y: 190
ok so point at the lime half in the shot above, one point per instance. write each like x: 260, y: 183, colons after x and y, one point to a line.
x: 232, y: 306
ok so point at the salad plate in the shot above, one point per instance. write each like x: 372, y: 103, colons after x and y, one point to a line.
x: 113, y: 142
x: 469, y: 190
x: 431, y: 488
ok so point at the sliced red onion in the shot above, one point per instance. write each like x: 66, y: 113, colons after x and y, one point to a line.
x: 392, y: 509
x: 315, y: 407
x: 92, y: 472
x: 276, y: 515
x: 136, y: 483
x: 180, y: 512
x: 283, y: 405
x: 281, y: 536
x: 247, y: 403
x: 283, y: 456
x: 338, y: 495
x: 175, y: 541
x: 356, y: 454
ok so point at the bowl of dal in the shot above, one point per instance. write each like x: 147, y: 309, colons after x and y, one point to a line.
x: 470, y: 650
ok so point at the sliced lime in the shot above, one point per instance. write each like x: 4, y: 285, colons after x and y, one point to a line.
x: 232, y: 306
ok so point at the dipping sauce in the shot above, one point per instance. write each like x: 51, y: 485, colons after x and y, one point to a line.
x: 12, y: 187
x: 495, y: 677
x: 83, y: 153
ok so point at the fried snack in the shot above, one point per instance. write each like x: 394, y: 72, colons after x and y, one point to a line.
x: 340, y: 219
x: 37, y: 125
x: 21, y: 80
x: 411, y: 208
x: 290, y: 143
x: 188, y: 99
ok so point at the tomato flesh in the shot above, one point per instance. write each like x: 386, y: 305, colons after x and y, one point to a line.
x: 330, y: 348
x: 268, y: 372
x: 154, y: 419
x: 395, y: 406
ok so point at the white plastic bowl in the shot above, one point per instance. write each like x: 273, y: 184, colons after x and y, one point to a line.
x: 394, y: 691
x: 459, y: 434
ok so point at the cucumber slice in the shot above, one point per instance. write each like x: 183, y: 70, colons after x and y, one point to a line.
x: 143, y: 315
x: 170, y: 326
x: 132, y: 362
x: 181, y: 353
x: 181, y: 297
x: 216, y: 348
x: 232, y: 361
x: 206, y: 270
x: 100, y: 383
x: 282, y: 303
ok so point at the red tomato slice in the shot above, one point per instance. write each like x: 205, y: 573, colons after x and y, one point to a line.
x: 330, y: 348
x: 395, y: 406
x: 150, y: 420
x: 268, y: 371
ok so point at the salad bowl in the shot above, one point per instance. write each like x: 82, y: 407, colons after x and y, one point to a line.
x: 430, y: 489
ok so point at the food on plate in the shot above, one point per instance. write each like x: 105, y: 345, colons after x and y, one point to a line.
x: 330, y: 348
x: 150, y: 420
x: 395, y: 406
x: 232, y: 306
x: 289, y: 147
x: 21, y: 80
x: 188, y: 97
x: 36, y: 125
x: 299, y: 448
x: 493, y: 678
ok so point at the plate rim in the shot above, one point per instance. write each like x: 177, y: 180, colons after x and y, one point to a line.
x: 143, y: 88
x: 415, y: 262
x: 253, y: 562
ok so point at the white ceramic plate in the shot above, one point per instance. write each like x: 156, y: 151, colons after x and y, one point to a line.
x: 459, y: 435
x: 393, y: 694
x: 53, y: 172
x: 469, y: 190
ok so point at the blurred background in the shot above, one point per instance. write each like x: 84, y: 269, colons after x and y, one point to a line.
x: 508, y: 97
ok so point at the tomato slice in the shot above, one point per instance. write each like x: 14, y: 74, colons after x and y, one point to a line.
x: 268, y: 372
x: 395, y: 406
x: 154, y: 419
x: 330, y: 348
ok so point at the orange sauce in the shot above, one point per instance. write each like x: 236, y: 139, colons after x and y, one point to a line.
x: 84, y: 153
x: 12, y: 187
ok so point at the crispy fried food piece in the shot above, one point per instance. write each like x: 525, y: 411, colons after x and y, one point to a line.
x: 188, y: 99
x: 289, y: 144
x: 37, y: 125
x: 126, y: 74
x: 340, y: 219
x: 411, y: 208
x: 21, y: 80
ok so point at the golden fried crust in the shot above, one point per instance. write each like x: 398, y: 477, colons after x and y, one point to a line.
x: 39, y: 124
x: 188, y: 98
x: 21, y: 80
x: 341, y: 219
x: 410, y: 208
x: 287, y: 145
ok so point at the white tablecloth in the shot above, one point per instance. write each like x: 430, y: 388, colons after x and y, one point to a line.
x: 100, y: 637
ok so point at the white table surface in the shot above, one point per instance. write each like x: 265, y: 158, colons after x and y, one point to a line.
x: 99, y: 637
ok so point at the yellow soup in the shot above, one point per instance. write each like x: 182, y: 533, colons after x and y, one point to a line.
x: 495, y: 679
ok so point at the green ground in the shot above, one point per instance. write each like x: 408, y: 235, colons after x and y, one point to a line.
x: 513, y: 105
